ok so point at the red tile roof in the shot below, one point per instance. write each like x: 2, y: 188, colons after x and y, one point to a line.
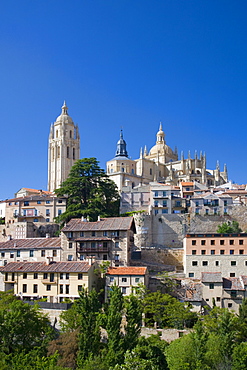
x: 111, y: 223
x: 44, y: 267
x: 233, y: 284
x: 128, y: 270
x: 32, y: 243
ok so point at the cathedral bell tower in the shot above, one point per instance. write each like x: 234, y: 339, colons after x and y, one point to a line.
x: 64, y: 149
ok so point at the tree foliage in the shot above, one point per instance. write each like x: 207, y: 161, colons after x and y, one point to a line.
x: 229, y: 228
x: 90, y: 192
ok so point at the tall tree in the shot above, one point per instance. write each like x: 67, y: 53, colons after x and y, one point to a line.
x: 229, y: 228
x: 133, y: 314
x: 88, y: 307
x: 90, y: 192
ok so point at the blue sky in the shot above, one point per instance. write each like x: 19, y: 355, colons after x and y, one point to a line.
x: 122, y: 63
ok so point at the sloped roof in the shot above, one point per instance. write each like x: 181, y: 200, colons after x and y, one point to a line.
x: 211, y: 277
x: 44, y: 267
x: 32, y: 243
x: 128, y: 270
x: 232, y: 284
x: 111, y: 223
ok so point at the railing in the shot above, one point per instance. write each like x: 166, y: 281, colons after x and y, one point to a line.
x: 90, y: 249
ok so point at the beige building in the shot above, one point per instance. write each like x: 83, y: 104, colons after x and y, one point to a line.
x: 108, y: 239
x: 161, y: 164
x: 223, y: 292
x: 54, y: 281
x: 128, y: 278
x: 225, y: 253
x: 64, y: 149
x: 211, y: 204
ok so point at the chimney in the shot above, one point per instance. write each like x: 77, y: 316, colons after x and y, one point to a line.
x: 83, y: 219
x: 91, y: 260
x: 47, y: 235
x: 98, y: 218
x: 9, y: 237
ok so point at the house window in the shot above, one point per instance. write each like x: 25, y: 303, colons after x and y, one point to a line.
x: 6, y: 276
x: 35, y: 275
x: 80, y: 276
x: 241, y: 242
x: 73, y: 153
x: 212, y: 242
x: 105, y: 257
x: 191, y: 274
x: 124, y: 290
x: 67, y: 151
x: 2, y: 254
x: 79, y: 288
x: 66, y: 289
x: 81, y: 233
x: 218, y: 299
x: 241, y: 251
x: 47, y: 202
x: 24, y: 275
x: 26, y: 204
x: 111, y: 279
x: 203, y: 242
x: 231, y: 242
x: 233, y: 293
x: 194, y: 251
x: 35, y: 220
x: 47, y: 212
x: 18, y: 254
x: 13, y: 276
x: 43, y: 253
x: 222, y: 251
x: 211, y: 286
x: 104, y: 233
x: 93, y: 233
x: 67, y: 276
x: 217, y: 263
x: 203, y: 251
x: 116, y: 244
x: 194, y: 263
x: 137, y: 280
x: 164, y: 203
x: 47, y: 220
x: 124, y: 280
x: 233, y: 263
x: 151, y: 172
x: 204, y: 263
x: 59, y: 212
x: 24, y: 288
x: 165, y: 210
x: 52, y: 277
x: 35, y: 288
x: 45, y: 276
x: 61, y: 276
x: 61, y: 289
x: 12, y: 255
x: 212, y: 251
x: 232, y: 274
x: 70, y: 257
x: 38, y: 202
x: 31, y: 253
x: 222, y: 242
x: 229, y: 305
x: 231, y: 251
x: 70, y: 245
x: 48, y: 287
x: 193, y: 242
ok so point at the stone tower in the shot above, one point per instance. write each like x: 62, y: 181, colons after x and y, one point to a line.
x: 64, y: 149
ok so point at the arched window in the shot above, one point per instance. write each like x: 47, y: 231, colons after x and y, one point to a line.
x: 67, y: 151
x: 58, y: 151
x: 70, y: 134
x: 73, y: 153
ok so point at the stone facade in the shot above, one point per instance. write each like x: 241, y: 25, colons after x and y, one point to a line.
x: 64, y: 149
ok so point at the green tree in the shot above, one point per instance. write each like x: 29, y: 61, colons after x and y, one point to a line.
x: 88, y: 307
x: 90, y: 192
x: 229, y: 228
x: 23, y: 327
x: 167, y: 311
x: 115, y: 342
x: 133, y: 315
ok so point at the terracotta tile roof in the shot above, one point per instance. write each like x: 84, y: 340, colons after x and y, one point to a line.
x: 44, y: 267
x: 111, y: 223
x: 187, y: 183
x: 32, y: 243
x: 232, y: 284
x: 211, y: 277
x: 128, y: 270
x: 36, y: 191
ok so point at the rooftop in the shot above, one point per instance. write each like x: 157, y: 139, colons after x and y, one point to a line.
x: 111, y: 223
x: 44, y: 267
x: 32, y: 243
x: 130, y: 270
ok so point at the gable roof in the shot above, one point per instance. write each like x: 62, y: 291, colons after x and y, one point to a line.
x: 44, y: 267
x: 128, y: 270
x: 233, y: 284
x: 211, y: 277
x: 32, y: 243
x: 111, y: 223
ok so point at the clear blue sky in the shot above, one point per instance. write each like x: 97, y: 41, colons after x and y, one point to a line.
x: 122, y: 63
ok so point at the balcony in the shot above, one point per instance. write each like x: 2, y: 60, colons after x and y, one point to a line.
x: 47, y: 281
x: 94, y: 250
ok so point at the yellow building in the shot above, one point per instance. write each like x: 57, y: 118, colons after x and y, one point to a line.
x: 53, y: 281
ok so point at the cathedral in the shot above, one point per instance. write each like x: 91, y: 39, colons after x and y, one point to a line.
x: 63, y: 149
x: 161, y: 164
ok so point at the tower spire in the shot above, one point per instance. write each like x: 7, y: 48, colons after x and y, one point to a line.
x: 64, y: 108
x: 121, y: 147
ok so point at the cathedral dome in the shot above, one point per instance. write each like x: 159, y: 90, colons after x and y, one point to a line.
x: 64, y: 117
